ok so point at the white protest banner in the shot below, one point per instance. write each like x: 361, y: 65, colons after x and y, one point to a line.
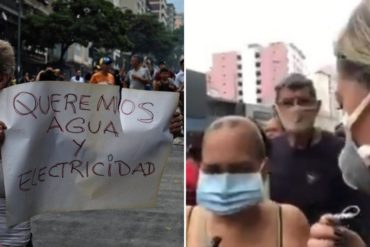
x: 72, y: 147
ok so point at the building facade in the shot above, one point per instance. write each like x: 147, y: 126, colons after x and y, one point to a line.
x: 277, y: 61
x: 136, y: 6
x: 159, y: 8
x: 201, y: 110
x: 32, y: 59
x: 179, y: 20
x: 250, y: 76
x: 171, y: 16
x: 224, y: 76
x: 251, y: 69
x: 325, y: 85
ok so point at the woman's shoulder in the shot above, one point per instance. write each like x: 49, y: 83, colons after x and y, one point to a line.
x: 295, y: 224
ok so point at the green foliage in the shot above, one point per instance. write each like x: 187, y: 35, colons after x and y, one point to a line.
x: 99, y: 22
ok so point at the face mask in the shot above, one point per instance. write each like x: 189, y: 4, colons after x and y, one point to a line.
x: 297, y: 118
x: 227, y: 194
x: 354, y: 161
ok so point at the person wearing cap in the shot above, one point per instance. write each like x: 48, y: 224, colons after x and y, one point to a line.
x: 303, y: 164
x: 103, y: 76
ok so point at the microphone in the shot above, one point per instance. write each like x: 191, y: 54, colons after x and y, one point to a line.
x: 215, y: 242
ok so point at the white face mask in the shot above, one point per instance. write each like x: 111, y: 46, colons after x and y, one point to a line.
x: 355, y: 161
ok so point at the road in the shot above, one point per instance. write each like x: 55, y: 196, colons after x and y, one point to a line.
x: 161, y: 226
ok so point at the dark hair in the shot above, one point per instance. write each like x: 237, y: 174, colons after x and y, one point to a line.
x: 138, y: 57
x: 295, y: 82
x: 355, y: 71
x: 164, y: 70
x: 162, y: 62
x: 48, y: 75
x: 88, y: 77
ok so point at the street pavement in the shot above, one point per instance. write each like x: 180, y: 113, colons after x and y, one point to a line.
x: 161, y: 226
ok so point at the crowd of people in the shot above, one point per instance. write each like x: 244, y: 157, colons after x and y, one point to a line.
x: 288, y: 182
x: 20, y: 235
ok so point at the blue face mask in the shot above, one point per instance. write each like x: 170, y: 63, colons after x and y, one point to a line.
x: 227, y: 194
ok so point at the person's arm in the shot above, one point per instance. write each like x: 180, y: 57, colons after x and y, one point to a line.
x: 176, y: 123
x: 142, y: 80
x: 156, y: 85
x: 296, y: 229
x: 2, y: 134
x: 93, y: 79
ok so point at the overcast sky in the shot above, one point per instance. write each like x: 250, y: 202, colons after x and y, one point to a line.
x: 217, y: 25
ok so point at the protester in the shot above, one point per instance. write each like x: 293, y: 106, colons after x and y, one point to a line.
x: 193, y: 160
x: 59, y: 75
x: 138, y: 77
x: 20, y: 234
x: 77, y: 77
x: 104, y: 76
x: 87, y: 78
x: 353, y: 65
x: 179, y: 83
x: 25, y: 78
x: 304, y: 160
x: 179, y: 80
x: 165, y: 83
x: 273, y: 128
x: 233, y: 208
x: 162, y: 65
x: 48, y: 75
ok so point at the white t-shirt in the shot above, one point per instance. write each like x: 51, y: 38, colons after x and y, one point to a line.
x: 179, y: 80
x: 81, y: 79
x: 141, y: 72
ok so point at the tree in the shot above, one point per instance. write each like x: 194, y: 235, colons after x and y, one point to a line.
x: 148, y: 36
x: 78, y: 21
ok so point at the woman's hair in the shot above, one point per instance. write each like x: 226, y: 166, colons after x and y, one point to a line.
x: 353, y: 46
x: 7, y: 58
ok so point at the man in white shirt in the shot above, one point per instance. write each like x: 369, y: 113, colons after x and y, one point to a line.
x: 138, y: 76
x: 78, y: 78
x: 179, y: 81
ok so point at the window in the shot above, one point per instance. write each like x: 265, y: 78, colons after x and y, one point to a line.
x: 224, y: 92
x: 258, y: 73
x: 258, y: 82
x: 239, y: 57
x: 258, y: 64
x: 258, y: 91
x: 240, y: 83
x: 240, y: 92
x: 259, y: 100
x: 239, y: 75
x: 239, y: 66
x: 257, y: 55
x: 240, y: 101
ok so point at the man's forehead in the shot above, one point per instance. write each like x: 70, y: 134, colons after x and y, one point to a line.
x: 303, y: 92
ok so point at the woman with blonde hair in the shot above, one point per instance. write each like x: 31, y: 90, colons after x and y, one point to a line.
x: 353, y: 64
